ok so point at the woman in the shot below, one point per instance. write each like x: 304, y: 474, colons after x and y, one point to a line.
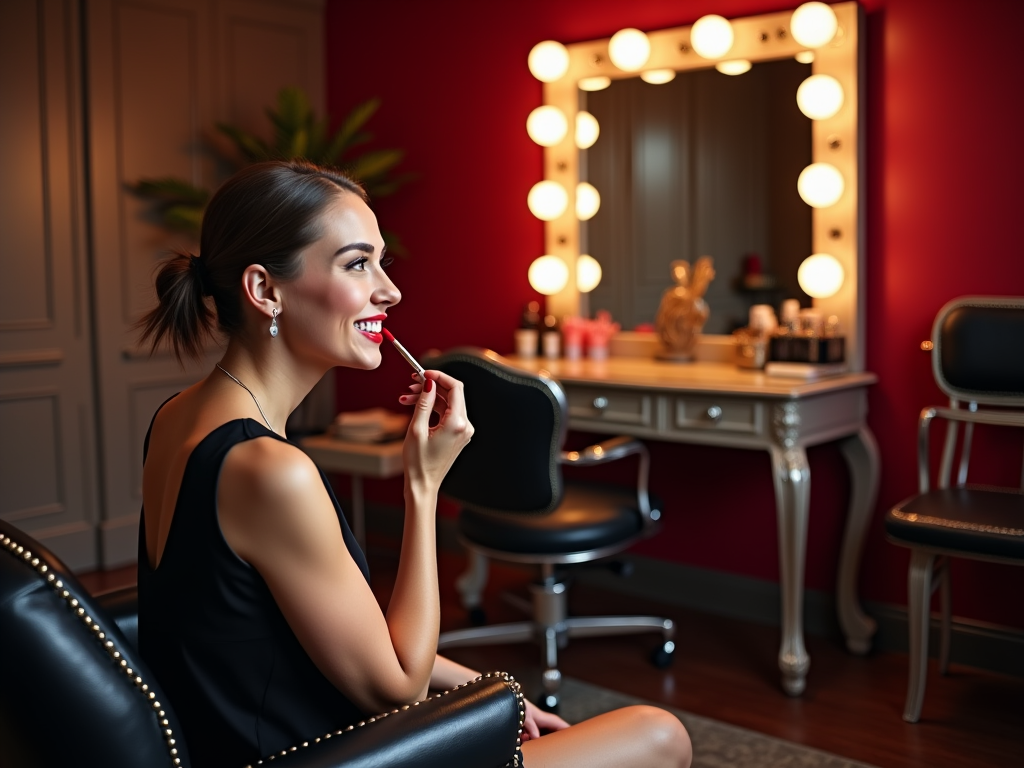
x: 255, y: 610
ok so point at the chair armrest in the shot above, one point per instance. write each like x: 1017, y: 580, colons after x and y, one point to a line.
x: 122, y: 605
x: 928, y: 415
x: 611, y: 450
x: 476, y: 725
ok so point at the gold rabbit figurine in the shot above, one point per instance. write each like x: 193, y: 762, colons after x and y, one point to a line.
x: 683, y: 310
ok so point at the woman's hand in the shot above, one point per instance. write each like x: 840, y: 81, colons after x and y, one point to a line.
x: 538, y: 720
x: 429, y: 452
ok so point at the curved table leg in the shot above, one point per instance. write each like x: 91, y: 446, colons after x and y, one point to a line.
x: 792, y: 477
x: 861, y: 454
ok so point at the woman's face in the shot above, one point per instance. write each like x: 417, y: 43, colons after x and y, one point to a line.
x: 334, y: 310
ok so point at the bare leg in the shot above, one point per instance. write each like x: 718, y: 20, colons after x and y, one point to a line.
x: 640, y: 735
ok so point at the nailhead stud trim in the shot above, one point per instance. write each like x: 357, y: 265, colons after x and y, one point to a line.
x: 509, y: 680
x: 108, y: 645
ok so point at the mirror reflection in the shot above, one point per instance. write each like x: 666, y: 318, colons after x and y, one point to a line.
x: 705, y: 164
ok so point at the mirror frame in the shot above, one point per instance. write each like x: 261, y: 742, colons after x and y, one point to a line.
x: 839, y: 140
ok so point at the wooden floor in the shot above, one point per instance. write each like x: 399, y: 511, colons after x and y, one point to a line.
x: 726, y: 670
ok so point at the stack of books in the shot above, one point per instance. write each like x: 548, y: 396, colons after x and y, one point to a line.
x: 375, y: 425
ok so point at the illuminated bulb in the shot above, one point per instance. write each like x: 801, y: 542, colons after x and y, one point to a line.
x: 820, y: 185
x: 805, y: 57
x: 587, y: 130
x: 547, y: 200
x: 547, y: 125
x: 820, y: 275
x: 548, y: 275
x: 588, y: 201
x: 548, y: 61
x: 629, y: 49
x: 658, y: 76
x: 594, y: 83
x: 588, y: 273
x: 819, y: 97
x: 711, y: 36
x: 733, y: 67
x: 813, y: 24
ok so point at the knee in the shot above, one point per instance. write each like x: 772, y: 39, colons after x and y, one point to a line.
x: 665, y: 736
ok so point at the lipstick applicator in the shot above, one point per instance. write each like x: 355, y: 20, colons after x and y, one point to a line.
x: 420, y: 372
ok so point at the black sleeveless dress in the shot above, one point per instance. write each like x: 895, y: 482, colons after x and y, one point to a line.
x: 237, y: 677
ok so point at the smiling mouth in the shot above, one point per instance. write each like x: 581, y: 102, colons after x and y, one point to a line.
x: 369, y: 326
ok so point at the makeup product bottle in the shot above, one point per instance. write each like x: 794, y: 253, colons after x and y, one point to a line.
x: 551, y: 338
x: 527, y: 336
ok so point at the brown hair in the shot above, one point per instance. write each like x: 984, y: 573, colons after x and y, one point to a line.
x: 265, y: 214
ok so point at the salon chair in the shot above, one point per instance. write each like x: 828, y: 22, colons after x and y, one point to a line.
x: 977, y: 349
x: 75, y: 692
x: 516, y: 507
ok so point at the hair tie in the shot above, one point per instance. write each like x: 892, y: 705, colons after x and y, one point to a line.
x: 198, y: 267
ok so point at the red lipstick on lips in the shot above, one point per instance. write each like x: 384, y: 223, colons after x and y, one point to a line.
x: 376, y: 338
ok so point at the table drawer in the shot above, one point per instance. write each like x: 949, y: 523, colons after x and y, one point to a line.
x: 614, y: 406
x: 719, y: 414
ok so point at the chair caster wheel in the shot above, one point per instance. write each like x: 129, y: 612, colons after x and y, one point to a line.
x: 664, y: 654
x: 477, y: 616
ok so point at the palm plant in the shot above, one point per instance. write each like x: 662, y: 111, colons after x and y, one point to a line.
x: 298, y: 134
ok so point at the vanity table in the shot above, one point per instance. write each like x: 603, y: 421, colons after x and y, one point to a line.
x: 715, y: 403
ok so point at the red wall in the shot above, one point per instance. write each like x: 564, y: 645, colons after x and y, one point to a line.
x: 945, y: 166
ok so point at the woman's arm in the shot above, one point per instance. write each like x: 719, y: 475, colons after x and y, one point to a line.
x: 276, y: 514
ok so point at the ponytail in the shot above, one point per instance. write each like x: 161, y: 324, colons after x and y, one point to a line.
x: 183, y: 313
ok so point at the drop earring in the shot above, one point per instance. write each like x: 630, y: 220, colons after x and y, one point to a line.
x: 273, y: 324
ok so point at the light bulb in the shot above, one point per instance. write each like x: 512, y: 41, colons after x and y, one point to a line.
x: 588, y: 201
x: 813, y: 24
x: 548, y: 275
x: 820, y: 97
x: 547, y: 200
x: 598, y: 83
x: 658, y: 76
x: 711, y: 36
x: 820, y: 275
x: 820, y: 185
x: 547, y: 125
x: 588, y: 273
x: 805, y: 57
x: 548, y: 61
x: 733, y: 67
x: 587, y: 130
x: 629, y: 49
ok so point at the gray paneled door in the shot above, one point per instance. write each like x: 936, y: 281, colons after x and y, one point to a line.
x: 48, y: 475
x: 76, y: 390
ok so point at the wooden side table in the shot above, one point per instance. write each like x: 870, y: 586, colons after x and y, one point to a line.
x: 358, y: 460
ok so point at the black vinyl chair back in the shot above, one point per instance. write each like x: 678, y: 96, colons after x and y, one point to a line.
x: 71, y: 679
x: 512, y: 462
x: 979, y: 350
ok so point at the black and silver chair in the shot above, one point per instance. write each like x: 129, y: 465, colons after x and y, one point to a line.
x: 977, y: 349
x: 517, y: 508
x: 75, y: 691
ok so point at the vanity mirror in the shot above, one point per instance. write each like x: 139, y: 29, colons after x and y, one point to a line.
x: 775, y: 53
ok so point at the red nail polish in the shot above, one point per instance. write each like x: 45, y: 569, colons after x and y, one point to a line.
x: 428, y: 385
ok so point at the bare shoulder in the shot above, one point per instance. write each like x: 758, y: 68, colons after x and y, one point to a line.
x: 271, y: 496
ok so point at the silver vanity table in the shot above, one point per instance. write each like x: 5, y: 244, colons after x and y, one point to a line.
x: 714, y: 403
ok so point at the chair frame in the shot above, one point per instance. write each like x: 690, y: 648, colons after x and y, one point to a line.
x: 929, y: 566
x: 551, y: 623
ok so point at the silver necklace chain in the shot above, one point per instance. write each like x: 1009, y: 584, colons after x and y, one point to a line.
x: 250, y: 394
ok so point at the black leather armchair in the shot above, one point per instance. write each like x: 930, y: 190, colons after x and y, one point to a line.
x: 75, y: 692
x: 977, y: 349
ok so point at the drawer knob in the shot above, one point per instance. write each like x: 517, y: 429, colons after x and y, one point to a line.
x: 600, y: 403
x: 714, y: 412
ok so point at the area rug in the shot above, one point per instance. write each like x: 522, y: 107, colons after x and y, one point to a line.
x: 715, y: 744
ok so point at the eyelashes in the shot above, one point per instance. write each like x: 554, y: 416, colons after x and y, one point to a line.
x: 360, y: 263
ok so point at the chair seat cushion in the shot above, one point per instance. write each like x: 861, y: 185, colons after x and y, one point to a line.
x: 589, y: 517
x: 973, y: 520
